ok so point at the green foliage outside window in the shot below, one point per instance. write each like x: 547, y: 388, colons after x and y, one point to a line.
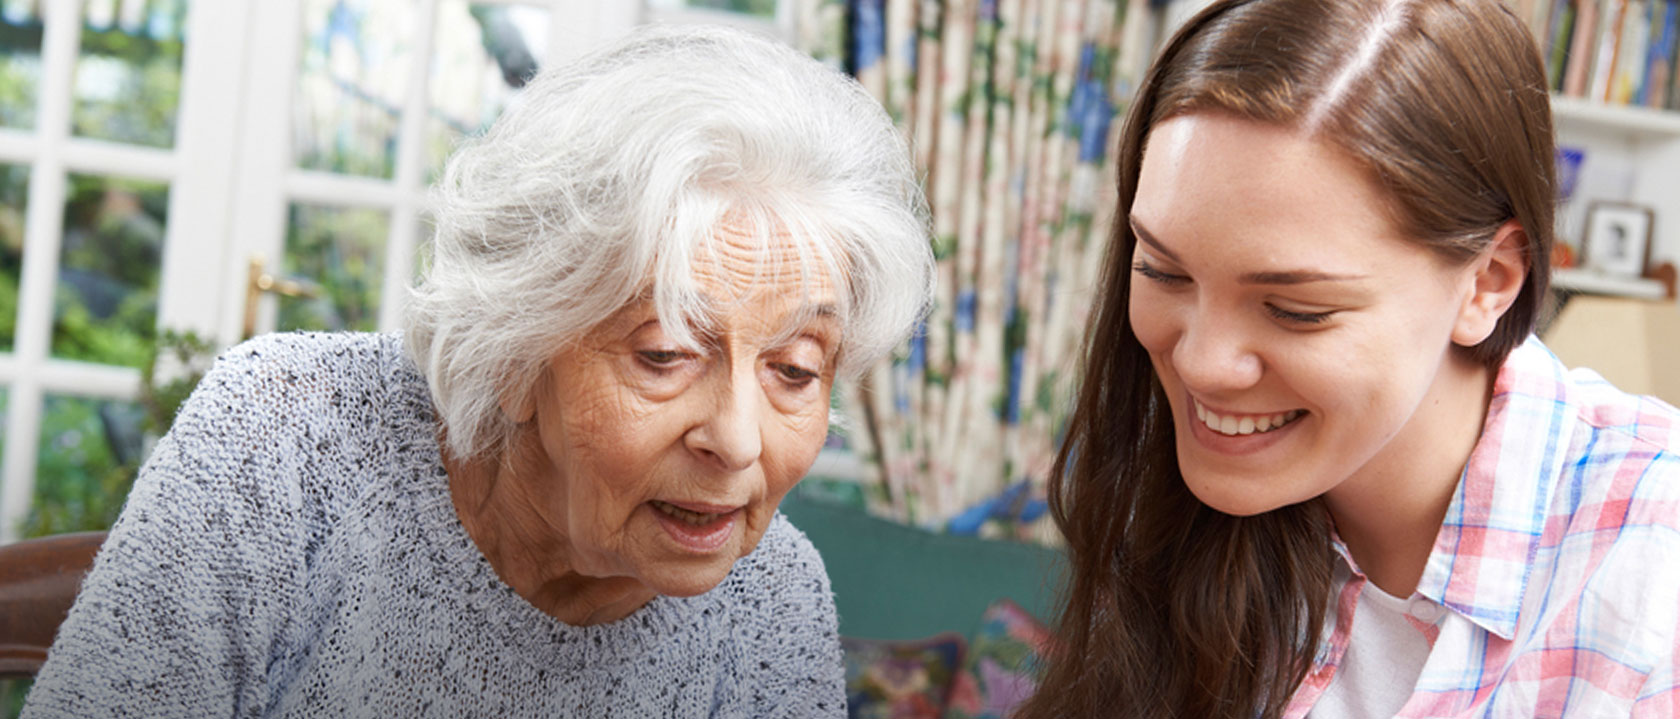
x: 14, y: 194
x: 343, y: 250
x: 91, y: 449
x: 761, y: 8
x: 81, y: 482
x: 128, y: 82
x: 108, y: 270
x: 20, y: 69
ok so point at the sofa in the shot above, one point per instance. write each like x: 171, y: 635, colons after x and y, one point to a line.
x: 933, y: 625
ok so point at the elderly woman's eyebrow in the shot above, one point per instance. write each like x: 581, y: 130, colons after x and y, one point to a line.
x: 799, y: 322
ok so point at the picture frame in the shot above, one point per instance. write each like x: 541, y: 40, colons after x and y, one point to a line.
x: 1618, y: 240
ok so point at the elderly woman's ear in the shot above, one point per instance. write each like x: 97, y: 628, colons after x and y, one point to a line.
x: 519, y: 405
x: 518, y: 401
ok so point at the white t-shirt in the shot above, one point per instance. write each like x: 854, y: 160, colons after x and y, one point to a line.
x: 1385, y: 654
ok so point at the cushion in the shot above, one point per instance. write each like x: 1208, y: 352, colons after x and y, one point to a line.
x: 1002, y: 667
x: 900, y: 679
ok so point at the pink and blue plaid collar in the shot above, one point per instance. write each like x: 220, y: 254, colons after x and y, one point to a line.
x: 1494, y: 526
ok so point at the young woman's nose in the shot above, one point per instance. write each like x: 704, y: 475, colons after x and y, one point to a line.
x: 1213, y: 354
x: 727, y: 432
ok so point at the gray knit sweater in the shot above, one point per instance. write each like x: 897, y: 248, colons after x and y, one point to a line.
x: 290, y: 550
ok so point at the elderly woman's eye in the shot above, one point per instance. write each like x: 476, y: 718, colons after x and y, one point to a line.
x: 795, y: 375
x: 661, y: 358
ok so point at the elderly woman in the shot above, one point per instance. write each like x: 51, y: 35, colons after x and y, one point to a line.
x: 555, y: 494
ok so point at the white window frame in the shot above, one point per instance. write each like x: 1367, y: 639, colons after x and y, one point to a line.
x: 269, y: 182
x: 197, y: 170
x: 231, y: 178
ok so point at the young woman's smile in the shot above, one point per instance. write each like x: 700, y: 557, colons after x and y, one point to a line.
x: 1232, y: 432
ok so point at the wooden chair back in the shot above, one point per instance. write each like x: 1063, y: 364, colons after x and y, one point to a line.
x: 39, y: 579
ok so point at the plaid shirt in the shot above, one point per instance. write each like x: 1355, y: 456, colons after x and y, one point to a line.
x: 1554, y: 585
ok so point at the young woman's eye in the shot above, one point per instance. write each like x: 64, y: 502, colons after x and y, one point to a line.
x: 1147, y: 270
x: 1304, y: 318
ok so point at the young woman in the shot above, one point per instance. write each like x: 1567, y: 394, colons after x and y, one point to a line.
x: 1319, y: 466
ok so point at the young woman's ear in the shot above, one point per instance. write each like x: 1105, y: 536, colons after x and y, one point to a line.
x: 1498, y: 276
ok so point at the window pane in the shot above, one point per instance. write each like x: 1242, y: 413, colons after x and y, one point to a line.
x: 484, y: 53
x: 20, y: 62
x: 106, y: 302
x: 4, y: 398
x: 761, y: 8
x: 342, y: 251
x: 351, y: 85
x: 14, y: 198
x: 424, y: 249
x: 90, y: 450
x: 12, y: 692
x: 128, y: 79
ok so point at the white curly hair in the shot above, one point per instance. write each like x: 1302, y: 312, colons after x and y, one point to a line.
x: 608, y: 179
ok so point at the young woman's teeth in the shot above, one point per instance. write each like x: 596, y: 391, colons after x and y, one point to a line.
x: 694, y: 518
x: 1248, y: 424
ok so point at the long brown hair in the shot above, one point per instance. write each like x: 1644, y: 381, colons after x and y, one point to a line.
x: 1174, y: 609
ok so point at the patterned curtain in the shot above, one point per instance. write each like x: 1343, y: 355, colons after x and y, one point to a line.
x: 1012, y: 107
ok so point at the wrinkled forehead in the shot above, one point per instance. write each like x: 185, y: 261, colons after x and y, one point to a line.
x: 747, y: 262
x: 754, y: 277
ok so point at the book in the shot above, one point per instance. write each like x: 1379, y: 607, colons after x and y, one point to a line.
x: 1582, y: 46
x: 1612, y: 14
x: 1629, y: 74
x: 1673, y: 101
x: 1652, y: 49
x: 1557, y: 41
x: 1661, y: 60
x: 1540, y: 14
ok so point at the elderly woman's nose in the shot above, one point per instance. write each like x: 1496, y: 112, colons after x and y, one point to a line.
x: 727, y: 430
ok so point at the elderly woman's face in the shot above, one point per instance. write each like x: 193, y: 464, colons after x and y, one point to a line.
x: 667, y: 465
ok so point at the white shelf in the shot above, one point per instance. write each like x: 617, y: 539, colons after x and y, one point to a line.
x: 1592, y: 283
x: 1639, y: 122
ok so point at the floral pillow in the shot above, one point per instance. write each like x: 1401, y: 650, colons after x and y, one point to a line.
x: 900, y: 679
x: 1002, y: 668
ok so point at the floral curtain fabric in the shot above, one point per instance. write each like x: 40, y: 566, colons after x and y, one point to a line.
x: 1012, y: 107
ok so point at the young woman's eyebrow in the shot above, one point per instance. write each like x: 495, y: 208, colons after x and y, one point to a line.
x: 1295, y: 277
x: 1148, y: 238
x: 1265, y: 277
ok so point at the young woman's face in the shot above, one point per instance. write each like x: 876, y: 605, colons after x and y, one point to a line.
x: 1299, y: 338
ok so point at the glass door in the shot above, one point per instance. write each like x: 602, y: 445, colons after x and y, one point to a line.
x: 376, y: 95
x: 159, y: 159
x: 107, y: 162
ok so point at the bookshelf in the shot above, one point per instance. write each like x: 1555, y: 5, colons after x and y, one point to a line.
x: 1630, y: 154
x: 1614, y: 69
x: 1584, y: 282
x: 1637, y: 123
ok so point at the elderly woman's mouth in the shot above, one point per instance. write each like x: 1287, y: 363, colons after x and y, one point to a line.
x: 697, y: 527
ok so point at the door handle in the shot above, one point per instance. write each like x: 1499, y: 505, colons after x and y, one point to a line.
x: 258, y: 280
